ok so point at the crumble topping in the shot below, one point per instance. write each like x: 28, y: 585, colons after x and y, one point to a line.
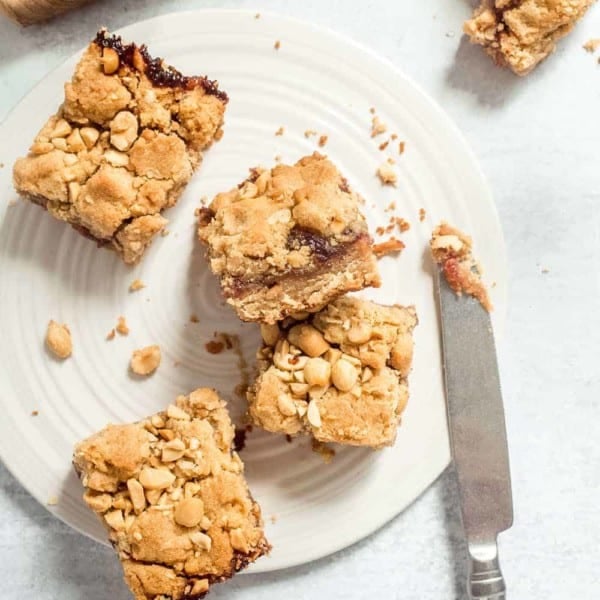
x: 172, y: 496
x: 286, y: 227
x: 122, y: 146
x: 519, y: 34
x: 452, y: 250
x: 340, y: 375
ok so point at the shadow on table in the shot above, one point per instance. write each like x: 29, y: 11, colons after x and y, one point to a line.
x: 447, y: 489
x: 473, y: 71
x: 63, y: 558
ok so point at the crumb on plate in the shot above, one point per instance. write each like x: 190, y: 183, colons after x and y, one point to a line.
x: 391, y: 246
x: 145, y: 360
x: 377, y: 126
x: 386, y: 174
x: 122, y: 327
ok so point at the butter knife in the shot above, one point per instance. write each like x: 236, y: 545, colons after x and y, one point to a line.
x: 477, y: 435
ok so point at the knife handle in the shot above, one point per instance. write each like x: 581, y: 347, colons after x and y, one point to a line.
x: 485, y: 579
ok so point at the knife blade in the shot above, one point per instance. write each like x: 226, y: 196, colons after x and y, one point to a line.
x: 477, y: 435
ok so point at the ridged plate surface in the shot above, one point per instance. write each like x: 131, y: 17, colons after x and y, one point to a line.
x: 316, y: 80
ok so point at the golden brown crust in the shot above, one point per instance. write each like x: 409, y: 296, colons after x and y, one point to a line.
x: 520, y: 34
x: 273, y: 236
x: 173, y: 497
x: 120, y: 149
x: 452, y: 250
x: 340, y: 375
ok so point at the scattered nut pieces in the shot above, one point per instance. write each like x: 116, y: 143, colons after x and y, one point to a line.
x: 111, y: 335
x: 401, y: 147
x: 122, y: 327
x: 136, y: 285
x: 280, y: 131
x: 387, y: 175
x: 384, y: 145
x: 323, y: 140
x: 391, y: 246
x: 145, y: 360
x: 58, y: 340
x: 422, y: 214
x: 377, y: 126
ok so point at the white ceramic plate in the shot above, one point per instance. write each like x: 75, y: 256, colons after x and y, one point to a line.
x: 316, y: 80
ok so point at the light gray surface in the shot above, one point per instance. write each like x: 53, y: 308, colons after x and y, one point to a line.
x: 538, y: 141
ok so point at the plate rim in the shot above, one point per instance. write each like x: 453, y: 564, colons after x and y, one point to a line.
x: 441, y: 459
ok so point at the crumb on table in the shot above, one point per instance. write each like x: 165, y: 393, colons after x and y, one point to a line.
x: 309, y: 133
x: 280, y: 131
x: 136, y: 285
x: 592, y: 45
x: 145, y: 360
x: 277, y: 45
x: 422, y: 214
x: 58, y: 339
x: 323, y: 140
x: 111, y: 334
x: 35, y: 413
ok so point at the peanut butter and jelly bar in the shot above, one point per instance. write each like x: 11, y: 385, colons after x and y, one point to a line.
x: 339, y: 375
x: 122, y: 146
x: 452, y: 250
x: 288, y: 240
x: 172, y: 494
x: 519, y: 34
